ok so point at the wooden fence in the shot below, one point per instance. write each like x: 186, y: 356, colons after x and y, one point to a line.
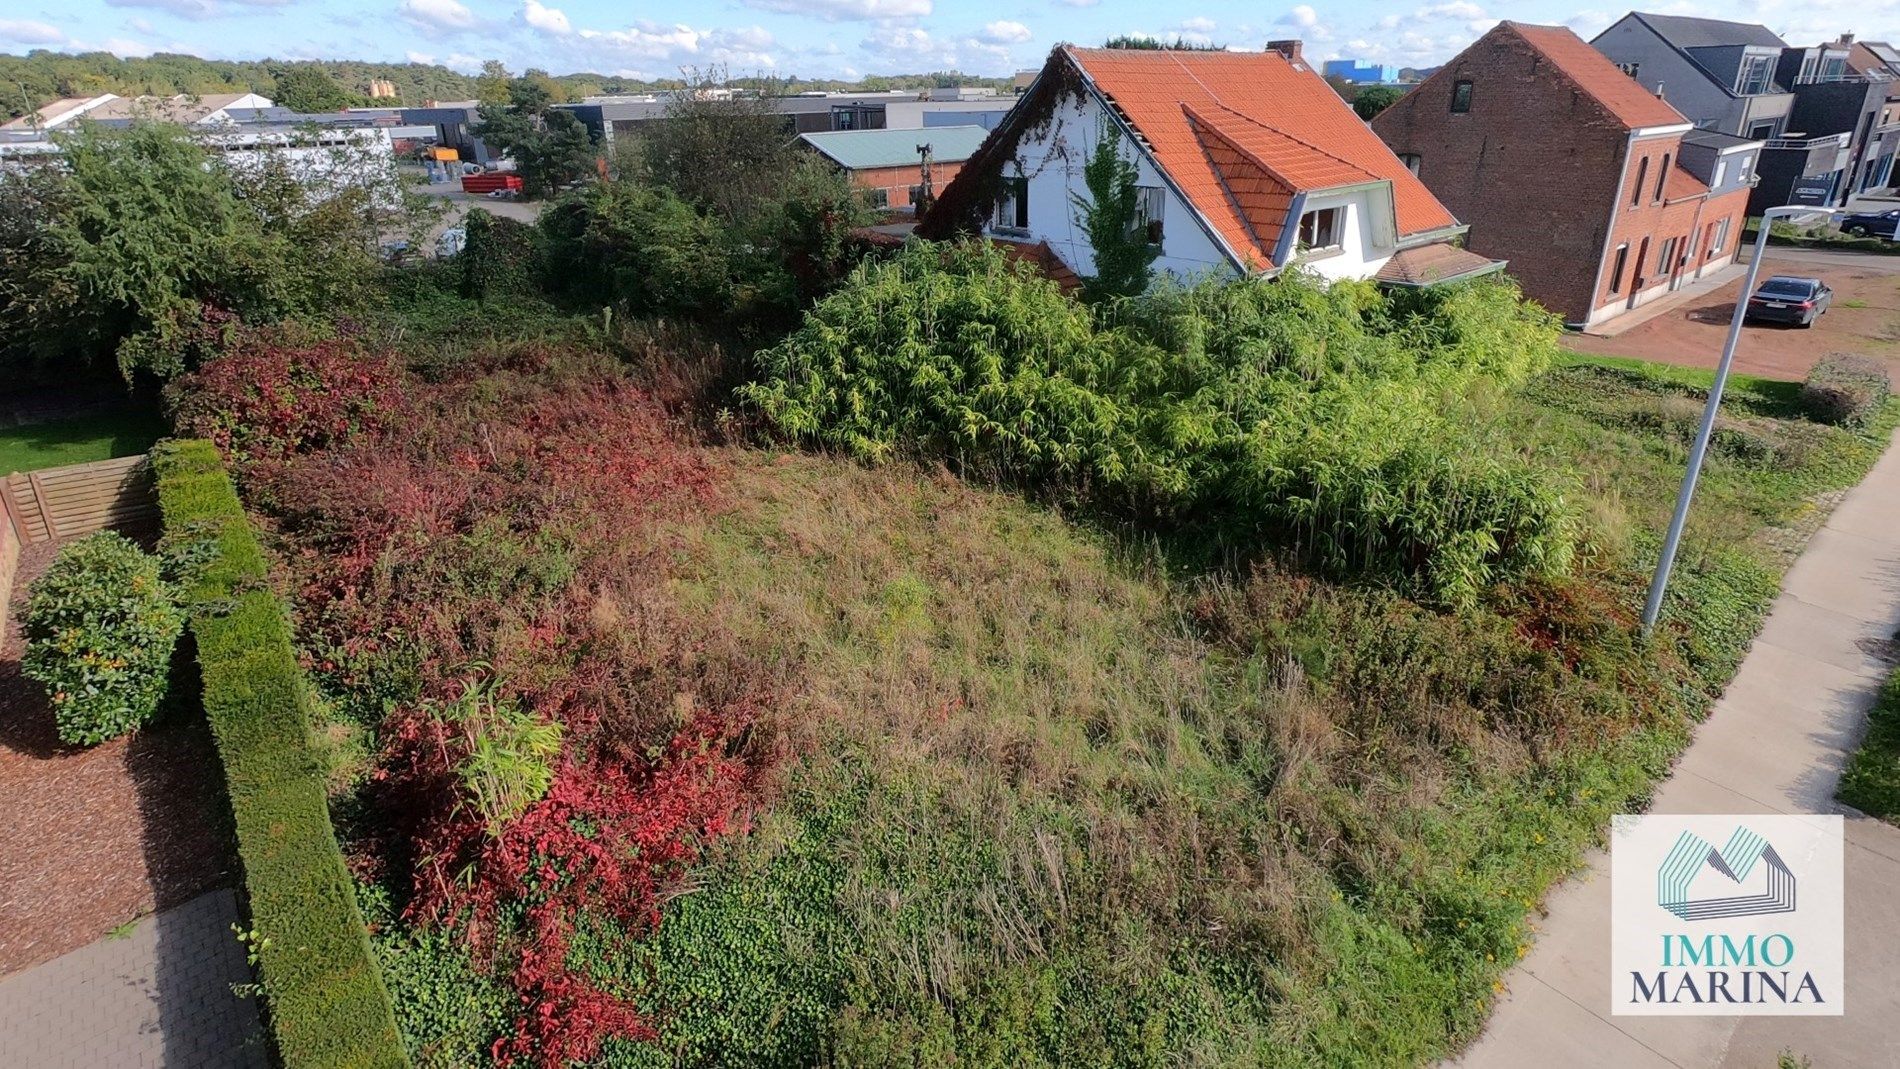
x: 57, y: 503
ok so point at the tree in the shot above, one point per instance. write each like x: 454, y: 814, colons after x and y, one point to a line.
x: 551, y: 147
x: 1111, y: 216
x: 491, y: 87
x: 308, y: 89
x: 618, y: 241
x: 142, y: 240
x: 721, y: 150
x: 1374, y: 99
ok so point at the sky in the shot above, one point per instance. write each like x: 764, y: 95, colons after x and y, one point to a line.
x: 827, y: 38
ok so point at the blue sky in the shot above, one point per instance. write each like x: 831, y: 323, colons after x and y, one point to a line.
x: 825, y: 38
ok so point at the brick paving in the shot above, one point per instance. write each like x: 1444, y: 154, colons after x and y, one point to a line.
x: 160, y: 996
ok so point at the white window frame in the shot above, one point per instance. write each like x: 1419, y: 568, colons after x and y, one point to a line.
x: 1012, y: 206
x: 1721, y: 173
x: 1334, y: 231
x: 1721, y: 237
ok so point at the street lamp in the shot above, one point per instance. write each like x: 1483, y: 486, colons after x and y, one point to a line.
x: 1653, y: 608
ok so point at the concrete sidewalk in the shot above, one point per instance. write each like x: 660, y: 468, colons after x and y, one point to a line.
x: 1774, y: 744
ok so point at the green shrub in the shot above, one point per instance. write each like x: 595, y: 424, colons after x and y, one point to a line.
x: 327, y: 1002
x: 499, y: 257
x: 1329, y: 416
x: 1845, y: 389
x: 638, y: 245
x: 510, y: 760
x: 100, y: 627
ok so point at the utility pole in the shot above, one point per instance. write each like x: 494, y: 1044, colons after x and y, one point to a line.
x: 1653, y: 607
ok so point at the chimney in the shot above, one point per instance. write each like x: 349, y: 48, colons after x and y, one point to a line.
x: 1846, y: 39
x: 1290, y: 49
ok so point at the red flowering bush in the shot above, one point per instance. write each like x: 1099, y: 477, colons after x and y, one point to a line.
x: 268, y: 398
x: 508, y: 515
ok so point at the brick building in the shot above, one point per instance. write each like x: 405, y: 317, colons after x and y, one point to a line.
x: 1563, y: 165
x: 889, y: 163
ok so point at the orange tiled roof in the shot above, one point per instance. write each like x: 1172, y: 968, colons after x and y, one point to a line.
x: 1593, y: 72
x: 1239, y: 131
x: 1681, y: 185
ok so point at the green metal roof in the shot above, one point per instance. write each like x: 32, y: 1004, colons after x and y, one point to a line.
x: 856, y: 150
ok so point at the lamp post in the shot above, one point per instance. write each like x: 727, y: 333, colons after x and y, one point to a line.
x: 1653, y: 608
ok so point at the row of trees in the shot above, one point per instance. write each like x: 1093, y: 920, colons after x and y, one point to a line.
x: 42, y: 75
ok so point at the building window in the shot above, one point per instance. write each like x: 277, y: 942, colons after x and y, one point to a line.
x: 1410, y: 160
x: 1149, y: 202
x: 1754, y: 76
x: 1761, y: 131
x: 1642, y: 180
x: 880, y: 198
x: 1617, y: 265
x: 1662, y: 177
x: 1461, y: 95
x: 1665, y: 261
x: 1322, y: 229
x: 1721, y: 174
x: 1012, y: 211
x: 1720, y: 240
x: 1634, y: 70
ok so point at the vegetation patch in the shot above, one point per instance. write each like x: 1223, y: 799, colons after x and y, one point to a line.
x: 1871, y: 780
x: 326, y: 1000
x: 100, y: 627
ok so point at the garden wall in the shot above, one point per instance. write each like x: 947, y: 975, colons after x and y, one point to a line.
x: 327, y: 1003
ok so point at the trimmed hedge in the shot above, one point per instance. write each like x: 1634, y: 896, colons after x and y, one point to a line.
x: 327, y: 1003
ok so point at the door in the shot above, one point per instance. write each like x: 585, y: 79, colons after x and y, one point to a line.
x: 1674, y: 252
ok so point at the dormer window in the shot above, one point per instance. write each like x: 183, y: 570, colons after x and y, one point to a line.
x: 1322, y: 229
x: 1461, y: 96
x: 1755, y: 75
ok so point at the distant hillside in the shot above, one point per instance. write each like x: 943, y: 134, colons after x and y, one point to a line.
x: 28, y: 81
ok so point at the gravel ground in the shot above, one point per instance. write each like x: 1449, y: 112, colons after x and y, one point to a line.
x: 90, y: 839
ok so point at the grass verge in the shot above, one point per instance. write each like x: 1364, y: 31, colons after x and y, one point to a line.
x: 1871, y: 780
x: 326, y: 1000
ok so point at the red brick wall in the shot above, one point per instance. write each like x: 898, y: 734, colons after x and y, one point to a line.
x: 1641, y: 216
x: 896, y: 181
x: 1534, y: 167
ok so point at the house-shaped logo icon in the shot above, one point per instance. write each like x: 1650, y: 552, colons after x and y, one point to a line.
x: 1692, y: 855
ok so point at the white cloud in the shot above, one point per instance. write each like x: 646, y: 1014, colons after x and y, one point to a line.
x: 551, y: 20
x: 1198, y: 24
x: 1078, y: 3
x: 835, y: 10
x: 29, y: 33
x: 438, y: 14
x: 195, y: 9
x: 462, y: 61
x: 1004, y: 32
x: 423, y: 58
x: 1302, y: 16
x: 650, y: 50
x: 125, y: 48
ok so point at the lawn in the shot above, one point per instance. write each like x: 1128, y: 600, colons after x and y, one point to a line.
x: 94, y: 436
x: 1871, y: 780
x: 911, y: 769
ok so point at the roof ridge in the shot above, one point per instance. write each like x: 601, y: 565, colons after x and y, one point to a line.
x: 1579, y: 84
x: 1290, y: 137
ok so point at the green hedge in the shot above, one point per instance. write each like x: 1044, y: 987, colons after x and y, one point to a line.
x: 327, y: 1003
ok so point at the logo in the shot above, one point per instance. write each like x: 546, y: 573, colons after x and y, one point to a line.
x: 1736, y: 861
x: 1754, y: 927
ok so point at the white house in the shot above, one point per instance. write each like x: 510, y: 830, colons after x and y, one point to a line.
x: 1248, y: 163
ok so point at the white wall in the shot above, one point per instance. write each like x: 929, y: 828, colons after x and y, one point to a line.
x: 1360, y: 254
x: 1053, y: 162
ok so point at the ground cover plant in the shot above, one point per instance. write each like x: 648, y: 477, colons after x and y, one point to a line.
x: 1871, y: 780
x: 986, y: 734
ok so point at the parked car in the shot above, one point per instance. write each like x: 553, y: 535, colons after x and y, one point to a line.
x: 1789, y: 299
x: 1872, y: 224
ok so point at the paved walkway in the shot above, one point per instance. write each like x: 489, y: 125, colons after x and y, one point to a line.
x: 1775, y: 744
x: 160, y: 996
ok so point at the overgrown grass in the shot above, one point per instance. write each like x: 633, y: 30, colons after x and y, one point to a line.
x: 1062, y: 803
x: 1871, y: 780
x: 94, y: 436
